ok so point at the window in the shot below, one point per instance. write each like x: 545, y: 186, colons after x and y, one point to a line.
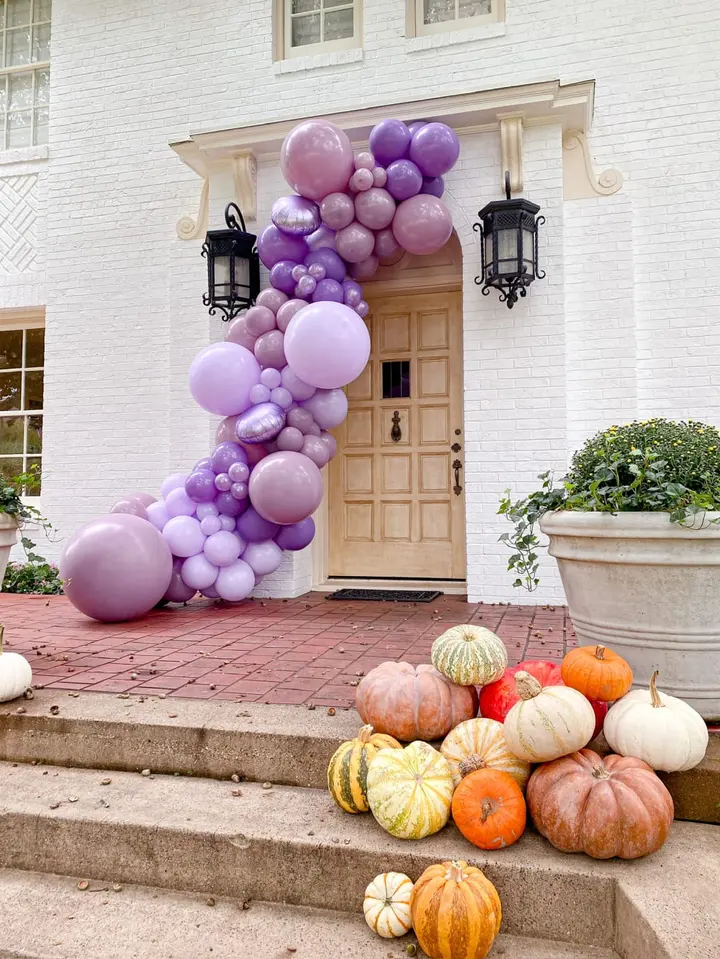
x: 24, y: 72
x: 319, y: 26
x: 396, y: 379
x: 437, y: 16
x: 22, y: 358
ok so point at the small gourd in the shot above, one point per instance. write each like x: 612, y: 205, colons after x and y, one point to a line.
x: 387, y: 904
x: 469, y: 655
x: 348, y: 769
x: 662, y: 730
x: 597, y: 672
x: 15, y: 673
x: 480, y: 744
x: 488, y: 808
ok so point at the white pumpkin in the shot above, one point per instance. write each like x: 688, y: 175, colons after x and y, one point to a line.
x: 662, y: 730
x: 469, y: 655
x: 15, y: 673
x: 548, y: 722
x: 387, y: 904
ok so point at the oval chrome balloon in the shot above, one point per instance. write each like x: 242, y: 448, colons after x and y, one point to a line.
x: 260, y: 423
x: 295, y: 215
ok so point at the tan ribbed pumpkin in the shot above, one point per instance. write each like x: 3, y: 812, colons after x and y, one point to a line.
x: 480, y: 744
x: 348, y: 769
x: 469, y: 655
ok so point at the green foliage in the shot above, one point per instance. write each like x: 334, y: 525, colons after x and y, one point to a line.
x: 656, y: 466
x: 36, y: 575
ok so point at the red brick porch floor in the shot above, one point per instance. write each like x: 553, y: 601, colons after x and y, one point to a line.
x: 306, y: 650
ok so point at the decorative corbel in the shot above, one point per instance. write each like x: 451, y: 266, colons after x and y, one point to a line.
x: 580, y: 182
x: 511, y: 151
x: 245, y: 177
x: 188, y: 228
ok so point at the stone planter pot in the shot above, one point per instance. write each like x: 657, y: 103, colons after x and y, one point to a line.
x: 650, y: 590
x: 8, y: 538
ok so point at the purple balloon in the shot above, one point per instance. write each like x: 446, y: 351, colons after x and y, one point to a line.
x: 222, y: 548
x: 315, y: 450
x: 305, y: 286
x: 375, y: 208
x: 254, y: 529
x: 116, y: 568
x: 290, y: 439
x: 435, y: 148
x: 362, y: 309
x: 353, y: 292
x: 337, y: 210
x: 260, y: 423
x: 300, y: 418
x: 282, y: 397
x: 295, y: 215
x: 225, y: 454
x: 321, y: 239
x: 227, y: 522
x: 355, y: 242
x: 316, y: 158
x: 297, y: 536
x: 239, y: 472
x: 328, y: 290
x: 415, y: 125
x: 385, y: 244
x: 239, y: 490
x: 272, y: 299
x: 178, y: 591
x: 404, y: 180
x: 229, y: 506
x: 157, y: 514
x: 364, y: 161
x: 210, y: 525
x: 379, y: 176
x: 200, y: 486
x: 434, y: 185
x: 184, y: 536
x: 199, y: 572
x: 286, y: 312
x: 221, y: 376
x: 263, y: 557
x: 328, y: 407
x: 234, y: 582
x: 210, y: 592
x: 361, y: 180
x: 423, y: 223
x: 259, y: 394
x: 269, y: 350
x: 298, y: 389
x: 286, y: 487
x: 366, y: 268
x: 203, y: 464
x: 130, y: 506
x: 178, y: 503
x: 274, y: 245
x: 270, y: 378
x: 327, y: 345
x: 259, y: 320
x: 389, y: 140
x: 330, y: 260
x: 281, y: 276
x: 237, y: 333
x: 174, y: 481
x: 206, y: 509
x: 223, y: 482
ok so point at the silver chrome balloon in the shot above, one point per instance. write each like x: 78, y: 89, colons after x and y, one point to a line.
x: 260, y: 423
x: 295, y: 215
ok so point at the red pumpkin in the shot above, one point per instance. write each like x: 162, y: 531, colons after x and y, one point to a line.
x: 600, y: 710
x: 498, y: 698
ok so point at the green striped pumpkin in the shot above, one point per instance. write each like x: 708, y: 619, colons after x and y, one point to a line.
x: 348, y: 769
x: 469, y: 655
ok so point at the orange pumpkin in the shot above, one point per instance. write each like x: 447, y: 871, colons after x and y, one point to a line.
x: 597, y: 672
x: 488, y: 808
x: 456, y: 911
x: 608, y: 807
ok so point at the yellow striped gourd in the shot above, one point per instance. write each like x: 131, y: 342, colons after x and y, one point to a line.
x: 348, y: 769
x: 410, y: 790
x: 480, y: 744
x: 469, y: 655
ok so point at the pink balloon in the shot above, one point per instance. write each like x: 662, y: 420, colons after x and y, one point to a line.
x: 366, y: 268
x: 221, y: 376
x: 263, y: 557
x: 422, y: 224
x: 321, y: 238
x: 116, y: 568
x: 269, y: 350
x: 337, y: 210
x: 272, y: 299
x: 287, y: 311
x: 237, y: 333
x: 259, y: 320
x: 329, y: 440
x: 314, y: 448
x: 375, y: 208
x: 157, y: 514
x: 328, y: 407
x: 286, y: 487
x: 379, y: 176
x: 327, y: 345
x: 178, y: 503
x: 198, y: 571
x: 173, y: 481
x: 222, y: 548
x: 355, y: 242
x: 131, y: 507
x: 223, y: 482
x: 235, y: 582
x: 364, y: 161
x: 184, y: 535
x: 145, y: 498
x: 385, y: 244
x: 290, y: 439
x: 298, y: 389
x: 361, y: 180
x: 316, y: 158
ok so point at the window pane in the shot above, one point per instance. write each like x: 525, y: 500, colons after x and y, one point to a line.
x: 3, y: 91
x: 42, y: 88
x: 41, y: 10
x: 11, y: 349
x: 19, y: 131
x: 34, y: 434
x: 2, y: 16
x: 33, y: 466
x: 10, y: 391
x: 42, y: 120
x: 34, y: 390
x: 336, y: 3
x: 18, y: 12
x: 305, y: 6
x: 17, y: 49
x: 11, y: 467
x: 439, y: 11
x: 306, y: 30
x: 339, y: 25
x: 41, y: 43
x: 21, y: 85
x: 396, y: 379
x: 12, y: 434
x: 35, y: 347
x: 475, y: 8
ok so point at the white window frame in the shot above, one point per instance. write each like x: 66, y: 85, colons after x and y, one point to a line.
x: 421, y: 29
x: 33, y: 68
x: 283, y: 32
x: 29, y: 321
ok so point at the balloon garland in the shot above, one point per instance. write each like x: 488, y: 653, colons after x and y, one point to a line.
x: 277, y: 378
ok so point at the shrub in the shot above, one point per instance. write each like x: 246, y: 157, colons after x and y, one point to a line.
x: 32, y: 577
x: 36, y: 575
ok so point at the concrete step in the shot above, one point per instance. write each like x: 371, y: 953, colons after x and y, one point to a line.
x: 288, y: 744
x: 48, y: 917
x: 294, y: 846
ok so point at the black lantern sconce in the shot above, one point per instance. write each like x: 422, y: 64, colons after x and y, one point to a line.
x: 509, y: 230
x: 233, y: 266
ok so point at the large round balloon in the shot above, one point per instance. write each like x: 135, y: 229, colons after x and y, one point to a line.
x: 422, y: 224
x: 221, y: 377
x: 327, y: 345
x: 115, y: 568
x: 389, y: 140
x: 435, y: 149
x: 286, y: 487
x: 317, y: 159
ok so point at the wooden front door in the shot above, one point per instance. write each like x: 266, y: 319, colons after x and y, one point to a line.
x: 395, y: 506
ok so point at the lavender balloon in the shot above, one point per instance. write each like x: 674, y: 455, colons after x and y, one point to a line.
x: 389, y: 140
x: 328, y: 290
x: 210, y: 525
x: 282, y: 276
x: 269, y: 350
x: 328, y: 407
x: 404, y: 180
x: 337, y: 210
x: 297, y: 536
x: 259, y: 394
x: 353, y: 292
x: 375, y: 208
x: 327, y: 345
x: 271, y: 378
x: 157, y: 514
x: 221, y: 376
x: 222, y: 548
x: 274, y: 245
x: 200, y: 486
x: 295, y: 215
x: 254, y: 529
x: 178, y: 503
x: 434, y: 185
x: 227, y: 522
x: 172, y: 482
x: 184, y: 535
x: 282, y: 397
x: 260, y: 423
x: 298, y: 389
x: 330, y: 261
x: 206, y: 509
x: 264, y: 557
x: 234, y: 583
x: 198, y: 572
x: 225, y: 454
x: 435, y: 148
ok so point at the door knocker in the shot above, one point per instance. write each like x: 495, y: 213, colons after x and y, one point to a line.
x: 396, y: 432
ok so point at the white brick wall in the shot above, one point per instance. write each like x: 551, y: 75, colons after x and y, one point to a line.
x: 625, y: 323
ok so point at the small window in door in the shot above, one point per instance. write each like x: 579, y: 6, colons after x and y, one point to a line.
x: 396, y: 379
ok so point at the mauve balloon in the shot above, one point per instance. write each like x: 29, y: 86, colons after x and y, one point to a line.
x: 274, y: 245
x: 239, y: 472
x: 434, y: 185
x: 183, y: 535
x: 325, y: 290
x: 331, y: 443
x: 366, y: 268
x: 353, y: 290
x: 235, y: 582
x: 415, y: 125
x: 259, y: 320
x: 316, y: 271
x: 270, y: 378
x: 259, y: 394
x: 221, y: 376
x: 286, y: 487
x: 178, y: 591
x: 272, y: 299
x: 200, y: 486
x: 379, y: 176
x: 237, y: 333
x: 364, y: 161
x: 281, y: 276
x: 316, y: 158
x: 225, y: 431
x: 361, y: 180
x: 330, y: 261
x: 157, y: 514
x: 199, y: 572
x: 355, y: 242
x: 253, y: 528
x: 404, y: 180
x: 173, y: 481
x: 423, y: 223
x: 328, y: 407
x: 305, y: 286
x: 301, y: 419
x: 130, y: 506
x: 315, y: 450
x: 225, y: 454
x: 337, y: 210
x: 255, y: 452
x: 260, y: 423
x: 322, y: 238
x: 264, y: 557
x: 362, y: 309
x: 295, y: 215
x: 144, y: 498
x: 298, y: 389
x: 385, y: 245
x: 269, y: 350
x: 286, y: 312
x: 375, y: 208
x: 178, y: 503
x: 239, y: 490
x: 297, y: 536
x: 290, y: 439
x: 297, y: 271
x: 223, y: 482
x: 389, y: 140
x: 222, y: 548
x: 435, y: 149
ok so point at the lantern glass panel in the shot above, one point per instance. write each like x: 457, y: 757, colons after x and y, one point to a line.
x: 489, y: 265
x: 242, y: 276
x: 529, y: 251
x: 507, y: 251
x: 221, y: 267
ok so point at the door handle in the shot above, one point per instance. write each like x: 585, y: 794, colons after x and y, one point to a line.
x: 396, y: 432
x: 457, y: 466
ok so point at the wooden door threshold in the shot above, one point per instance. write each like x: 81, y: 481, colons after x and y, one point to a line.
x: 452, y: 587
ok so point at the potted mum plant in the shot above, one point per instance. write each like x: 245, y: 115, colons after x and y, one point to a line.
x: 635, y: 530
x: 15, y: 514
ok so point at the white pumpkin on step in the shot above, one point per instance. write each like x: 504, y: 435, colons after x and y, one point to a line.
x: 548, y: 722
x: 662, y: 730
x: 387, y: 904
x: 15, y: 673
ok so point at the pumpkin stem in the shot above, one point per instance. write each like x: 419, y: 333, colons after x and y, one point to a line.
x: 488, y: 808
x: 469, y: 765
x: 455, y: 872
x: 526, y: 685
x: 365, y: 734
x: 599, y: 651
x: 654, y: 696
x: 600, y: 772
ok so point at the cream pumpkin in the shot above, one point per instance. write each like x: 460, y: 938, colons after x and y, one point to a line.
x: 15, y: 673
x: 547, y: 722
x: 662, y: 730
x: 480, y: 744
x: 410, y: 790
x: 469, y: 655
x: 387, y: 904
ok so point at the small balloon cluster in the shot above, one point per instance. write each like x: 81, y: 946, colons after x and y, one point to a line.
x: 278, y: 377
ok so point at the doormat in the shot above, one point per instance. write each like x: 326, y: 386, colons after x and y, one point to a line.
x: 388, y: 595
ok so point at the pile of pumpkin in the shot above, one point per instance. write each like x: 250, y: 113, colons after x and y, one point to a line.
x: 535, y: 713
